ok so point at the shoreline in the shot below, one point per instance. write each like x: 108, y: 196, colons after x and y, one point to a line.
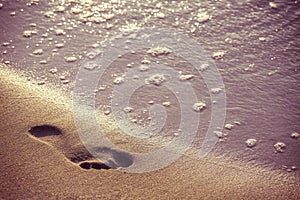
x: 35, y: 170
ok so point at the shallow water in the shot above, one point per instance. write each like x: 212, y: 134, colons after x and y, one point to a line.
x: 260, y: 68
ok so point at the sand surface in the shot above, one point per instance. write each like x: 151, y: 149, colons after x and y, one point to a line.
x: 45, y: 45
x: 40, y: 168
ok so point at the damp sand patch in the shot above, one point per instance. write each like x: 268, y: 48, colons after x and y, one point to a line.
x: 46, y: 166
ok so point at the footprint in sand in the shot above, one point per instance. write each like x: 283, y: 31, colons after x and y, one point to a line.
x: 77, y: 154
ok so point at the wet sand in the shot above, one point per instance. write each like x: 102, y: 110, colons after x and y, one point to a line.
x: 255, y: 47
x: 40, y: 168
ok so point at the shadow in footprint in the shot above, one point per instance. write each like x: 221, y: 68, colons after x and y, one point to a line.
x: 44, y: 130
x: 79, y: 155
x: 93, y: 165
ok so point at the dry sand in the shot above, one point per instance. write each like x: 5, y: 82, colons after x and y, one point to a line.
x: 35, y: 168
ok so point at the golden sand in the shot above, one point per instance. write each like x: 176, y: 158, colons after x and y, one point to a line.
x: 40, y: 169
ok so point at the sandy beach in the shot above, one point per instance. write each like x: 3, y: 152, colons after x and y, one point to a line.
x: 40, y: 168
x: 165, y: 82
